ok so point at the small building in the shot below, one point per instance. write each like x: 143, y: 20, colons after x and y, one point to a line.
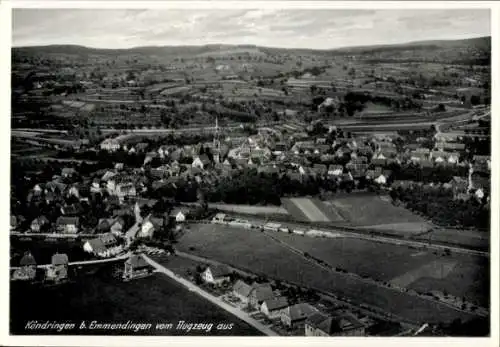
x: 68, y: 172
x: 216, y: 275
x: 272, y: 308
x: 110, y: 145
x: 27, y: 269
x: 179, y: 215
x: 201, y: 162
x: 296, y: 315
x: 219, y: 218
x: 39, y: 224
x: 13, y: 222
x: 320, y: 324
x: 260, y: 293
x: 272, y: 226
x: 242, y: 291
x: 136, y: 267
x: 67, y: 225
x: 58, y: 269
x: 104, y: 246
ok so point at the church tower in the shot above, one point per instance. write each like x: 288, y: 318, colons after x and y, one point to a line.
x: 216, y: 146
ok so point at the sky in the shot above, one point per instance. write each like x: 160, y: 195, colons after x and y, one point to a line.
x: 314, y: 28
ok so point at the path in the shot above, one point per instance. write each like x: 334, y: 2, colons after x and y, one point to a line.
x: 193, y: 288
x: 84, y: 262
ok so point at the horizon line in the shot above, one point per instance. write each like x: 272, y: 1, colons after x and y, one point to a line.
x: 250, y: 44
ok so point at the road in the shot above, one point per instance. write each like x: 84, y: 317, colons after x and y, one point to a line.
x: 193, y: 288
x: 53, y: 235
x: 83, y: 263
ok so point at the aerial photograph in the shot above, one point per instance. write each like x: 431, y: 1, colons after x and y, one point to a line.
x: 250, y: 172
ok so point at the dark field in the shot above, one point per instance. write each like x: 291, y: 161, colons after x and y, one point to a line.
x: 257, y: 253
x: 154, y: 299
x: 468, y: 278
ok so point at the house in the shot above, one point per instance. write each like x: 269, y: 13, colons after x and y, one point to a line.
x: 67, y: 225
x: 296, y: 315
x: 320, y: 324
x: 110, y: 145
x: 216, y: 275
x: 27, y: 269
x: 320, y: 169
x: 68, y: 172
x: 132, y: 232
x: 272, y: 308
x: 379, y: 161
x: 179, y: 215
x: 426, y: 163
x: 136, y: 267
x: 149, y: 226
x: 13, y: 222
x: 108, y: 176
x: 104, y: 246
x: 259, y: 294
x: 58, y: 269
x: 335, y: 170
x: 125, y: 189
x: 202, y: 162
x: 72, y: 210
x: 242, y: 291
x: 381, y: 180
x: 39, y: 224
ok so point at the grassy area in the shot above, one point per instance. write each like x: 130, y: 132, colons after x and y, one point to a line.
x: 424, y: 271
x: 255, y: 252
x: 154, y: 299
x: 372, y: 210
x: 376, y: 260
x: 249, y: 209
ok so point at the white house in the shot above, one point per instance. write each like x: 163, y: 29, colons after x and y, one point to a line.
x: 381, y: 180
x: 216, y: 275
x: 110, y: 145
x: 479, y: 193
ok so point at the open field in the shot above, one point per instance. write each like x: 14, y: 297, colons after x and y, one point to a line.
x: 439, y: 269
x: 254, y: 251
x: 311, y: 210
x: 369, y: 210
x: 420, y: 270
x: 469, y: 238
x: 249, y: 209
x: 155, y: 299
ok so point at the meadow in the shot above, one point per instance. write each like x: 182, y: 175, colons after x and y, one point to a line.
x: 155, y: 299
x: 257, y: 253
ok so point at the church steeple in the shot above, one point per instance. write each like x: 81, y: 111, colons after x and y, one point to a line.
x: 216, y: 146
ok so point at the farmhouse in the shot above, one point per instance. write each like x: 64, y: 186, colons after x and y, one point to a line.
x: 216, y: 275
x: 272, y: 308
x: 39, y: 224
x: 136, y: 267
x: 260, y: 293
x: 296, y: 315
x: 242, y: 291
x: 67, y: 225
x: 27, y: 270
x: 320, y: 324
x: 110, y: 145
x: 58, y: 269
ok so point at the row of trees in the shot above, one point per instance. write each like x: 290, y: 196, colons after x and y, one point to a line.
x: 441, y: 208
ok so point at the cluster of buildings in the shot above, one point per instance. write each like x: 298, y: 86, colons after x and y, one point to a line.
x: 299, y: 317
